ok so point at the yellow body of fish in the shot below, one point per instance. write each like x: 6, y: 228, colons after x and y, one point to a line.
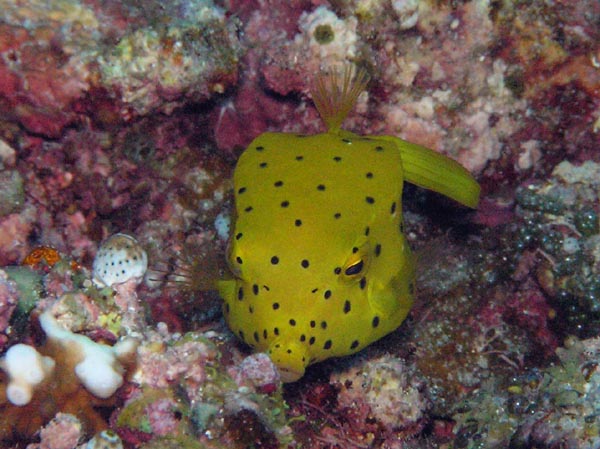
x: 322, y: 267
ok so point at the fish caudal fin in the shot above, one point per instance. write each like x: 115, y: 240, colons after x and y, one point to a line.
x: 335, y: 94
x: 434, y: 171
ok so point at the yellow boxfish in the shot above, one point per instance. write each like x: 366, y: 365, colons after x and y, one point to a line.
x: 320, y: 262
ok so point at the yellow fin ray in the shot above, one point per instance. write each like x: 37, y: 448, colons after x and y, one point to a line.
x: 431, y: 170
x: 334, y: 94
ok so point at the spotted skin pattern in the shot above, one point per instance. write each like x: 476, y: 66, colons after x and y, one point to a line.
x: 320, y: 261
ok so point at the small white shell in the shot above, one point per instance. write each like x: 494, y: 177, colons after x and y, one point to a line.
x: 120, y: 258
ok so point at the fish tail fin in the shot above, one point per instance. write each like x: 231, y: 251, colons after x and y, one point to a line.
x: 334, y: 94
x: 434, y: 171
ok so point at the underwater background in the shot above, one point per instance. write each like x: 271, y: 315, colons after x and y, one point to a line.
x: 120, y: 126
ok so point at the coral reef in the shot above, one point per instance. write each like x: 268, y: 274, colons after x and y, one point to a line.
x: 127, y: 118
x: 562, y: 225
x: 538, y: 408
x: 112, y: 64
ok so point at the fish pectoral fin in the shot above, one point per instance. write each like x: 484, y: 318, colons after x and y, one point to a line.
x: 434, y: 171
x: 226, y: 288
x: 291, y: 359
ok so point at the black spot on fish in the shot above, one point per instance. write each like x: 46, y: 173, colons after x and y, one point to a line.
x: 363, y: 283
x: 354, y: 344
x: 327, y: 294
x: 274, y: 260
x: 393, y: 208
x: 302, y: 337
x: 321, y: 187
x: 347, y: 306
x: 311, y: 341
x: 298, y: 222
x: 305, y: 263
x: 367, y: 231
x: 276, y: 330
x: 292, y: 322
x: 240, y: 294
x: 299, y: 158
x: 260, y: 148
x: 262, y: 164
x: 256, y: 339
x: 327, y: 345
x: 278, y: 183
x: 370, y: 199
x: 375, y: 321
x: 377, y: 250
x: 337, y: 270
x: 241, y: 190
x: 369, y: 175
x: 238, y: 236
x: 275, y: 305
x: 265, y: 334
x: 248, y: 209
x: 337, y: 215
x: 285, y: 203
x: 323, y: 324
x: 378, y: 148
x: 348, y: 141
x: 313, y: 323
x: 255, y: 289
x: 337, y: 159
x: 239, y: 260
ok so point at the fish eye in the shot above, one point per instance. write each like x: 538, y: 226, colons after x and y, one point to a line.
x: 355, y: 268
x: 356, y: 265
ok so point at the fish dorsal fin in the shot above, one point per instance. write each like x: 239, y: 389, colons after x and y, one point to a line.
x: 335, y: 92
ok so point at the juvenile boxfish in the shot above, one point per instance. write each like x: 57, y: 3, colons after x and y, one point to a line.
x: 320, y: 261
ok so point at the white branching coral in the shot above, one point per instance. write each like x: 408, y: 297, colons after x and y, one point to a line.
x: 26, y: 369
x: 98, y: 367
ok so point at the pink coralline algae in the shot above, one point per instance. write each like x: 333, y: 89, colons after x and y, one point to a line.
x: 387, y: 393
x: 258, y: 372
x: 160, y: 364
x: 63, y: 432
x: 64, y: 63
x: 8, y: 301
